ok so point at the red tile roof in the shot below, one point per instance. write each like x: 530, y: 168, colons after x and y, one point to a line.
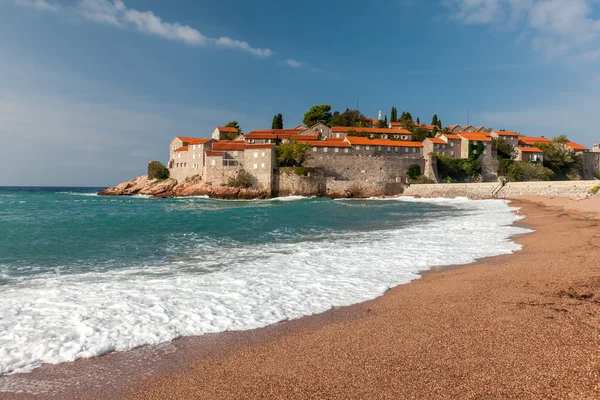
x: 479, y: 128
x: 211, y: 153
x: 402, y: 124
x: 506, y: 133
x: 436, y: 140
x: 576, y: 146
x: 182, y: 148
x: 381, y: 131
x: 453, y: 136
x: 326, y: 143
x: 191, y: 140
x: 358, y: 140
x: 453, y: 127
x: 250, y: 146
x: 228, y: 145
x: 474, y: 136
x: 529, y: 149
x: 227, y: 129
x: 273, y: 134
x: 530, y: 141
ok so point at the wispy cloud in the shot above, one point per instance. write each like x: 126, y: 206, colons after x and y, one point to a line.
x: 39, y: 5
x: 556, y: 28
x: 293, y: 63
x: 116, y: 13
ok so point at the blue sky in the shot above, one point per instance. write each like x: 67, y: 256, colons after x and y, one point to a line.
x: 91, y: 89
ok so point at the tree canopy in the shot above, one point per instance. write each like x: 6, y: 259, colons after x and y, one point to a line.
x: 277, y: 122
x: 347, y: 118
x: 320, y: 113
x: 394, y: 115
x: 292, y: 153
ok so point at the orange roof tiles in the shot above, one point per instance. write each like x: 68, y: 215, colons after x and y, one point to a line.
x: 436, y: 140
x: 191, y: 140
x: 227, y: 129
x: 576, y: 146
x: 259, y: 145
x: 452, y: 136
x: 402, y: 124
x: 273, y: 134
x: 479, y: 128
x: 212, y: 153
x: 182, y: 148
x: 474, y: 136
x: 453, y: 127
x: 530, y: 141
x: 358, y: 140
x: 346, y: 129
x: 506, y: 133
x: 326, y: 143
x: 529, y: 149
x: 228, y: 145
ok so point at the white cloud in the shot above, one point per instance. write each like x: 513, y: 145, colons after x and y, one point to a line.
x: 293, y: 63
x: 556, y: 28
x: 116, y: 13
x: 39, y: 5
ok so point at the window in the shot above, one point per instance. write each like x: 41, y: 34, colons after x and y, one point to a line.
x: 174, y: 147
x: 396, y: 136
x: 235, y: 153
x: 378, y: 148
x: 335, y: 149
x: 262, y: 154
x: 262, y: 165
x: 256, y: 154
x: 194, y: 156
x: 396, y: 149
x: 406, y: 149
x: 194, y: 147
x: 256, y: 165
x: 451, y: 144
x: 178, y: 155
x: 324, y: 149
x: 314, y: 149
x: 213, y: 163
x: 346, y: 150
x: 414, y: 149
x: 367, y: 148
x: 357, y: 147
x: 404, y: 137
x: 389, y: 149
x: 337, y: 135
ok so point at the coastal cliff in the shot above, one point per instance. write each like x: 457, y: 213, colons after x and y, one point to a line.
x: 171, y: 188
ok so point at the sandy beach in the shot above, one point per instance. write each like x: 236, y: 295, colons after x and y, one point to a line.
x: 524, y: 326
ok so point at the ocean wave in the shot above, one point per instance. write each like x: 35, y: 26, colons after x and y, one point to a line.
x: 236, y: 287
x: 78, y: 193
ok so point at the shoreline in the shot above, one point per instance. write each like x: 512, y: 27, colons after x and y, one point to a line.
x: 176, y: 361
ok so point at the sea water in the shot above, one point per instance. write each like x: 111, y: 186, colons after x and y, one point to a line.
x: 82, y: 275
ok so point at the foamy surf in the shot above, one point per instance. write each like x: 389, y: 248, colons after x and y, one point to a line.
x: 59, y: 318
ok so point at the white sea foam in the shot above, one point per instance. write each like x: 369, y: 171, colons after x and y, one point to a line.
x: 65, y: 317
x: 78, y: 193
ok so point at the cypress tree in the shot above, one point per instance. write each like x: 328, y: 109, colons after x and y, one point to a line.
x: 439, y: 123
x: 277, y: 122
x: 434, y: 120
x: 418, y: 121
x: 394, y: 115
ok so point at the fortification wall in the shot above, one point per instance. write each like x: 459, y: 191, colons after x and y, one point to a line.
x: 591, y: 164
x: 571, y: 189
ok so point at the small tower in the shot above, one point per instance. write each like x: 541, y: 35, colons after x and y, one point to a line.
x: 379, y: 117
x: 596, y: 148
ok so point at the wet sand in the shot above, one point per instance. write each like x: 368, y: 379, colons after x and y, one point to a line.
x: 524, y: 326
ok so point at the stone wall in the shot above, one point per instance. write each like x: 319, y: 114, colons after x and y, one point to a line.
x: 591, y: 164
x: 572, y: 189
x: 289, y: 183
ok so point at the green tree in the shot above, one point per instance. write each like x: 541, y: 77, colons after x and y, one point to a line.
x: 347, y: 118
x: 439, y: 124
x: 156, y: 170
x: 382, y: 123
x: 277, y: 122
x: 394, y: 115
x: 419, y: 134
x: 320, y: 113
x: 413, y: 171
x: 504, y: 148
x: 243, y: 179
x: 406, y: 117
x: 564, y: 162
x: 418, y: 121
x: 234, y: 124
x: 292, y: 153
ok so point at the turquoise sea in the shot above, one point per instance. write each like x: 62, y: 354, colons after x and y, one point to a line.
x: 82, y: 275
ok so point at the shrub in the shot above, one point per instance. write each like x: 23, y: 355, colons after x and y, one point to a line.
x: 156, y: 170
x: 505, y: 165
x: 292, y: 154
x: 595, y: 190
x: 503, y: 147
x: 523, y: 171
x: 421, y: 180
x: 243, y: 180
x: 413, y: 171
x: 597, y: 175
x: 565, y: 163
x: 457, y: 169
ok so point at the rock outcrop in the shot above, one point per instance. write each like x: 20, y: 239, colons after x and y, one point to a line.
x: 170, y: 188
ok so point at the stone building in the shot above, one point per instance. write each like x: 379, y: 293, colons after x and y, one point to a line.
x: 530, y: 141
x: 225, y: 133
x: 340, y: 132
x: 275, y: 135
x: 438, y: 146
x: 475, y: 138
x: 576, y: 147
x: 510, y: 137
x: 227, y: 158
x: 529, y: 154
x: 454, y: 141
x: 596, y: 148
x: 186, y: 156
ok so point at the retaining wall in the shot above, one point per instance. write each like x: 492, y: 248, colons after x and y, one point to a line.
x: 571, y: 189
